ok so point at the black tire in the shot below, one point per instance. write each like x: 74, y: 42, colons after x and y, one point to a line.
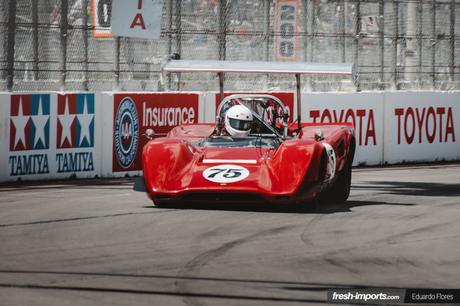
x: 340, y: 190
x: 165, y: 204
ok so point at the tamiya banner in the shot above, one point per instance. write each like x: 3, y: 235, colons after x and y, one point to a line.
x: 50, y: 136
x: 286, y: 25
x: 364, y: 110
x: 102, y: 15
x: 135, y: 113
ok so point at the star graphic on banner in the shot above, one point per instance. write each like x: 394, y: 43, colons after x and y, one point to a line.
x: 40, y: 121
x: 66, y: 121
x: 85, y: 120
x: 20, y: 122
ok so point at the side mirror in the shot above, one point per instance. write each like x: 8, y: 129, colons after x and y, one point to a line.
x: 149, y: 134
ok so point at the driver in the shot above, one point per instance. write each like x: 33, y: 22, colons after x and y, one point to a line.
x: 238, y: 121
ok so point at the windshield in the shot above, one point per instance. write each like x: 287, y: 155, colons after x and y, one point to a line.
x: 225, y: 141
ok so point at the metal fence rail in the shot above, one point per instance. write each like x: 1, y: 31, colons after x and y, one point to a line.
x: 395, y: 44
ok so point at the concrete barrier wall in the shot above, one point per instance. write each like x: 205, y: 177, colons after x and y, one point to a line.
x: 60, y: 135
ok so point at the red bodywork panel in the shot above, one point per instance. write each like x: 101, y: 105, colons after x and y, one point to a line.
x: 173, y: 166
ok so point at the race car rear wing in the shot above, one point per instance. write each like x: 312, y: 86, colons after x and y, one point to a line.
x: 295, y: 68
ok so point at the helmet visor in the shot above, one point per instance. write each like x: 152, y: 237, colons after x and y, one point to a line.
x: 240, y: 125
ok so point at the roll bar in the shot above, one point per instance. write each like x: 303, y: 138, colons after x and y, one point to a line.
x: 295, y: 68
x: 242, y: 97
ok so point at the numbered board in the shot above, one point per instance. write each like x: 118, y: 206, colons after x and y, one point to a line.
x: 286, y: 25
x: 225, y: 174
x: 331, y: 163
x: 102, y: 13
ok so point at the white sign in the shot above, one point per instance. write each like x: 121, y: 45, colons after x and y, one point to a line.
x: 137, y: 18
x: 226, y: 174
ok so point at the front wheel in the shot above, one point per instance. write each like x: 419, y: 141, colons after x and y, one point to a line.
x: 340, y: 190
x: 165, y: 204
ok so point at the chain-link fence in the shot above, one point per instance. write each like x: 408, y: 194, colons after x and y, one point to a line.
x: 395, y: 44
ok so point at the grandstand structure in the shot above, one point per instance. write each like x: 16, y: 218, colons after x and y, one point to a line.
x: 394, y: 44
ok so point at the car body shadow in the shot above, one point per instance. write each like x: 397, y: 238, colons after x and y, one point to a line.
x: 308, y: 208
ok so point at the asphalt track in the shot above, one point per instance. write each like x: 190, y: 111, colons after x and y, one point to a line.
x: 97, y: 242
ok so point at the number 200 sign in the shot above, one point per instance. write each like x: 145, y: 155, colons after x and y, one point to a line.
x: 287, y: 16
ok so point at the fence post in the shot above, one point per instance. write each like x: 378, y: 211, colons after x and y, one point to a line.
x: 178, y: 31
x: 35, y: 38
x: 395, y: 44
x: 452, y: 41
x: 344, y: 33
x: 311, y: 38
x: 10, y: 47
x: 433, y: 44
x: 382, y: 43
x: 85, y: 42
x: 420, y: 42
x: 169, y: 13
x: 267, y: 29
x: 410, y: 52
x: 63, y: 40
x: 357, y: 43
x: 117, y: 63
x: 222, y: 19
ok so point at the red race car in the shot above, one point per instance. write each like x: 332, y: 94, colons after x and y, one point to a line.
x: 251, y: 153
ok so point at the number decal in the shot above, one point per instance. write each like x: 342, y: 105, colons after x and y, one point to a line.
x: 331, y: 161
x: 288, y: 12
x: 216, y: 172
x: 232, y: 173
x: 226, y: 174
x: 104, y: 13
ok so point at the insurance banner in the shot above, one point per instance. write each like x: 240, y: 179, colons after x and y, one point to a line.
x: 134, y: 113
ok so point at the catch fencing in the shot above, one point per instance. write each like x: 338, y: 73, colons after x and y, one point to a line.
x: 395, y: 44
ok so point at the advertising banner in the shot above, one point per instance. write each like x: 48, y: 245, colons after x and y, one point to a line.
x: 135, y: 113
x: 51, y: 136
x: 422, y: 126
x: 286, y: 24
x: 102, y: 12
x: 364, y: 110
x: 140, y: 18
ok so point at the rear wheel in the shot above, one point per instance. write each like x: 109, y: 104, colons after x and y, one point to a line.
x: 340, y: 190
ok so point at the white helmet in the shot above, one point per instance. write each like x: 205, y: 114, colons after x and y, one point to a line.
x: 238, y: 121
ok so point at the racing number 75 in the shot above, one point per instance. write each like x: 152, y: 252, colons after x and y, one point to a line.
x: 227, y: 173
